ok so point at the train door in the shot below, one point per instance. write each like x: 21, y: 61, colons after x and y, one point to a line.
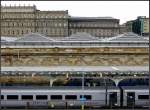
x: 112, y: 99
x: 130, y: 99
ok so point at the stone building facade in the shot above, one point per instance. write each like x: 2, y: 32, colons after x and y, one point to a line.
x: 139, y: 26
x: 96, y: 26
x: 20, y: 20
x: 123, y: 29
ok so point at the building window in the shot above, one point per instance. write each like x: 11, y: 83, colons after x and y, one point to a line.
x: 13, y: 32
x: 60, y: 24
x: 18, y: 32
x: 22, y: 31
x: 8, y: 31
x: 55, y: 24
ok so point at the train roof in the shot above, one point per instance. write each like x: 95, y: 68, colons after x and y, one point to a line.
x: 135, y: 87
x: 57, y: 88
x: 76, y: 69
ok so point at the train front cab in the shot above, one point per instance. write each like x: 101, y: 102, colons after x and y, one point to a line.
x: 130, y: 99
x: 135, y: 96
x: 113, y: 97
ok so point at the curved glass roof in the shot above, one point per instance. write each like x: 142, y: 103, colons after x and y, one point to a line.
x: 34, y: 37
x: 79, y: 68
x: 81, y: 36
x: 37, y: 40
x: 126, y: 37
x: 8, y: 39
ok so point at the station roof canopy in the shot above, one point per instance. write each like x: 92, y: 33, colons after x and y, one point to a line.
x: 81, y: 36
x: 126, y: 37
x: 36, y: 40
x: 34, y: 37
x: 3, y: 40
x: 8, y: 39
x: 77, y: 69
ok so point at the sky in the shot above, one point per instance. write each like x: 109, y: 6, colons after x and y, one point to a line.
x: 123, y: 10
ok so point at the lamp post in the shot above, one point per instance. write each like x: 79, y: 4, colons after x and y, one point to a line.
x: 50, y: 85
x: 82, y: 108
x: 105, y: 91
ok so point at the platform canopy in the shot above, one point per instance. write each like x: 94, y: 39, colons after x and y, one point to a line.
x: 77, y: 69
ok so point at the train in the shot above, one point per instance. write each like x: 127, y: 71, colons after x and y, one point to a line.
x: 74, y: 97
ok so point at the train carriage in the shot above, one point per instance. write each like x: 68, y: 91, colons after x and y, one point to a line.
x: 135, y: 96
x: 60, y: 96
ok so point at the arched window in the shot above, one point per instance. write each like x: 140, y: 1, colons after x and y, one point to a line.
x: 22, y: 32
x: 13, y: 32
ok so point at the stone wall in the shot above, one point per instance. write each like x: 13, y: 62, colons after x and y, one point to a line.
x: 100, y: 50
x: 75, y: 57
x: 75, y: 60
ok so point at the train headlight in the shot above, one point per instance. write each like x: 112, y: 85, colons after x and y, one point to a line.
x: 116, y: 104
x: 52, y: 105
x: 71, y: 104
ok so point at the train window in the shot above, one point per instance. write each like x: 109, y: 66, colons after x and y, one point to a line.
x: 41, y: 97
x: 70, y: 97
x: 56, y: 97
x: 27, y: 97
x: 12, y: 97
x: 87, y: 97
x: 2, y: 97
x: 143, y: 96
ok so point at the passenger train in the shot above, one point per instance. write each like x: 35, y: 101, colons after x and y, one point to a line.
x: 72, y: 97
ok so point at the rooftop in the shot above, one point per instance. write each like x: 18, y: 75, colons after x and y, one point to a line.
x: 91, y: 18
